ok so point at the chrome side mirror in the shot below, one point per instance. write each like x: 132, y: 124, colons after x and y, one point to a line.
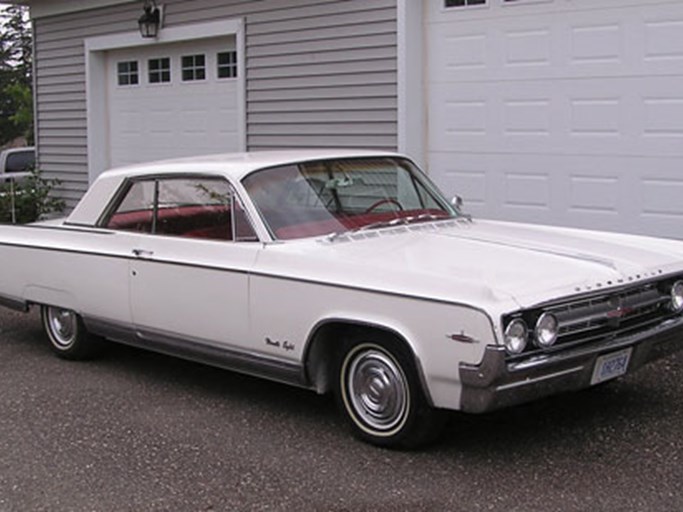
x: 457, y: 202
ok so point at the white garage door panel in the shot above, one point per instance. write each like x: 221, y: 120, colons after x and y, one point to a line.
x: 560, y: 112
x: 640, y: 116
x: 613, y: 42
x: 612, y: 193
x: 157, y: 121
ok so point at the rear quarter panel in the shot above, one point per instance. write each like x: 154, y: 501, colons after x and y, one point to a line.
x: 83, y: 271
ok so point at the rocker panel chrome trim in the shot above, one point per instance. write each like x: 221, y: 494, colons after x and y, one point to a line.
x: 14, y: 303
x: 201, y: 351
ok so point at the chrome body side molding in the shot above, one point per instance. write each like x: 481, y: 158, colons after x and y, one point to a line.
x: 201, y: 351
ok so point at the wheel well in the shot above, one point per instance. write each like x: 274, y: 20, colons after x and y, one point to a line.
x: 329, y: 338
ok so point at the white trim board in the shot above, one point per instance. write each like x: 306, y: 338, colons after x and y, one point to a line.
x: 412, y: 121
x: 96, y: 79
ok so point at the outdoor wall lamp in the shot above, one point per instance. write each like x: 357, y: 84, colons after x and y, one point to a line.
x: 150, y: 21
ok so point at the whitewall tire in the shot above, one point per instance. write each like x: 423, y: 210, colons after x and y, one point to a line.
x: 67, y: 334
x: 379, y: 393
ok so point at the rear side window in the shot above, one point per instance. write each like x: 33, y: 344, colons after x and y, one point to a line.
x: 204, y: 208
x: 20, y: 161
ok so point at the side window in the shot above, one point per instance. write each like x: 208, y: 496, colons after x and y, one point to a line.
x: 135, y: 211
x: 203, y: 208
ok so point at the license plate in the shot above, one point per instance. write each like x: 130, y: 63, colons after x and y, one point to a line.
x: 611, y: 366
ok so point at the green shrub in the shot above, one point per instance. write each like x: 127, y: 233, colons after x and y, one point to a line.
x: 32, y: 199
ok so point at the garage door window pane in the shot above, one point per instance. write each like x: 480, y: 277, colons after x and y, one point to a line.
x: 194, y: 67
x: 127, y: 73
x: 159, y: 70
x: 227, y: 64
x: 464, y: 3
x: 526, y: 1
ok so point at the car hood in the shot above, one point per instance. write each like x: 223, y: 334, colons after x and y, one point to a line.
x: 536, y: 263
x: 484, y: 262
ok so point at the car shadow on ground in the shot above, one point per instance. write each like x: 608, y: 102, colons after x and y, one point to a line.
x: 593, y: 414
x: 590, y: 418
x: 582, y: 416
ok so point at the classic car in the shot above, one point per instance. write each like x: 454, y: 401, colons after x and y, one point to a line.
x: 345, y: 272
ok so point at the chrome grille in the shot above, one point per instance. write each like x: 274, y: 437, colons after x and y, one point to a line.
x: 608, y: 311
x: 603, y: 315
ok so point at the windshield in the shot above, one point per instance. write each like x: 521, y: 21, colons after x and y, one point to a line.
x: 335, y: 196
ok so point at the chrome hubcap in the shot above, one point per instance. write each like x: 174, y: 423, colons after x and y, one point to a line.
x: 377, y: 389
x: 62, y: 325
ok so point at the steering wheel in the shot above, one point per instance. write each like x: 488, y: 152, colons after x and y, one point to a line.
x: 386, y: 200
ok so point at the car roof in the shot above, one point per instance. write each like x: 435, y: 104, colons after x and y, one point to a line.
x: 233, y: 165
x: 28, y: 149
x: 238, y: 165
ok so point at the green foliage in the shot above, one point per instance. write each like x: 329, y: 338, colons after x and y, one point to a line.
x: 32, y: 199
x: 22, y: 119
x: 16, y: 64
x: 16, y: 42
x: 8, y: 128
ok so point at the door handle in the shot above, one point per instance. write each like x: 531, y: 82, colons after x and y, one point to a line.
x: 141, y: 253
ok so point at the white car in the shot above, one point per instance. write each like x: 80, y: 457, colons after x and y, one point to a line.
x: 345, y: 272
x: 17, y: 160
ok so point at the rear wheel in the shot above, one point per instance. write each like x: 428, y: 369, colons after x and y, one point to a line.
x: 67, y: 334
x: 379, y: 393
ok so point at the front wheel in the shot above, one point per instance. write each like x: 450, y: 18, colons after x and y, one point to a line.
x: 67, y: 334
x: 379, y: 393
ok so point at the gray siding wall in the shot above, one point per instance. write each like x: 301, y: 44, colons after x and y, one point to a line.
x: 320, y: 73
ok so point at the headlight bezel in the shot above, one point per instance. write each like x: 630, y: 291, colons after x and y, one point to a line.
x: 540, y: 340
x: 515, y: 344
x: 676, y: 294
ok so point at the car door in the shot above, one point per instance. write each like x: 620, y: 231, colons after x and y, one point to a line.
x: 189, y: 276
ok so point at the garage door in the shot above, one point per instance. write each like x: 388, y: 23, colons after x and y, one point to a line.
x: 559, y: 112
x: 172, y: 100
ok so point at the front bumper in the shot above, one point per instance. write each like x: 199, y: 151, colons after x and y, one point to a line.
x: 496, y: 383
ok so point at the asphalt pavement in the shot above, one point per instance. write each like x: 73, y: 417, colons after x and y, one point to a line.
x: 136, y: 431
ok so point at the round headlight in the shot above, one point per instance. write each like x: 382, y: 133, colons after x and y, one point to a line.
x: 677, y: 296
x: 546, y: 330
x: 516, y: 335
